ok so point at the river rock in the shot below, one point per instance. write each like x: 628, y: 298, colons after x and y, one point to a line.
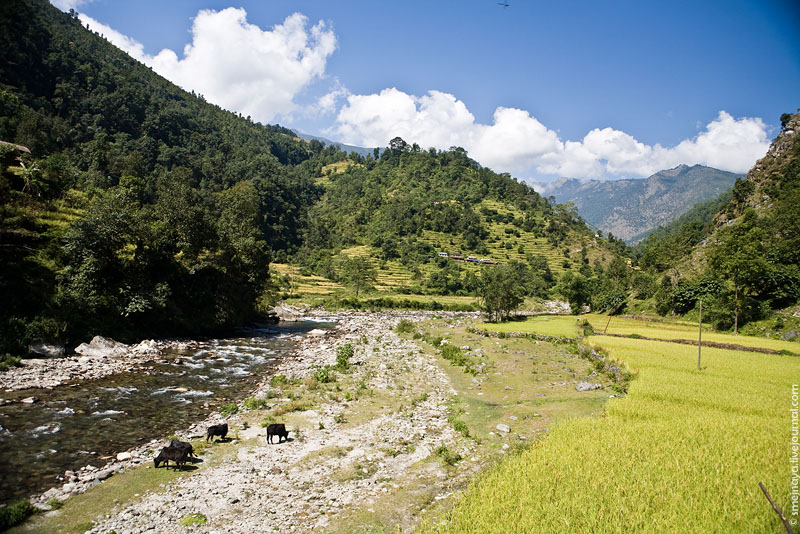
x: 588, y: 386
x: 121, y: 457
x: 503, y: 428
x: 148, y: 347
x: 101, y: 347
x: 29, y: 400
x: 48, y: 350
x: 317, y: 332
x: 286, y: 312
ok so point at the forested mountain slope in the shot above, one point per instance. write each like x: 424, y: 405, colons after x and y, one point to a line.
x: 745, y: 261
x: 131, y: 207
x: 632, y: 208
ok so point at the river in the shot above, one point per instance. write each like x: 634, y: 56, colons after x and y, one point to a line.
x: 88, y: 422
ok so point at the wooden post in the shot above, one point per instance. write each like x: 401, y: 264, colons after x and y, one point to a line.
x: 606, y: 328
x: 700, y: 335
x: 777, y: 510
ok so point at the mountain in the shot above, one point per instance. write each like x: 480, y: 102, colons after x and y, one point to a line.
x: 631, y: 209
x: 131, y: 207
x: 360, y: 150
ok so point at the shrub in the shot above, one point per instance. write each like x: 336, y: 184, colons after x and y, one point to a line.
x: 229, y: 409
x: 7, y: 361
x: 254, y: 403
x: 343, y: 355
x: 278, y: 380
x: 15, y: 513
x: 193, y: 519
x: 324, y: 375
x: 405, y: 326
x: 449, y: 457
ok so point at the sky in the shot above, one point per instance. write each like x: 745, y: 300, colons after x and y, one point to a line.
x: 576, y: 88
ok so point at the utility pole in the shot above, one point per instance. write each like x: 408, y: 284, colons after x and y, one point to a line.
x: 700, y: 335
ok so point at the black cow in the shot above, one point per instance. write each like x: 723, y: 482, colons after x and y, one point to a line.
x: 175, y: 444
x: 217, y: 430
x: 277, y: 429
x: 169, y: 453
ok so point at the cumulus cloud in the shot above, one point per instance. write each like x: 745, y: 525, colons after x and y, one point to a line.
x: 66, y: 5
x: 517, y: 142
x: 237, y: 65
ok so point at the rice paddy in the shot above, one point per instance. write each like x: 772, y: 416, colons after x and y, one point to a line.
x: 684, y: 451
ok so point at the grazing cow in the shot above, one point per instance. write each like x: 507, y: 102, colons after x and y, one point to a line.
x: 217, y: 430
x: 175, y: 444
x: 168, y: 453
x: 277, y: 429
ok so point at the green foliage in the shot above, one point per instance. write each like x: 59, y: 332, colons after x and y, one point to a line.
x: 500, y: 294
x: 405, y: 327
x: 255, y: 403
x: 7, y: 361
x: 449, y: 457
x: 324, y: 375
x: 229, y: 409
x: 15, y: 513
x: 576, y: 289
x: 193, y: 519
x: 343, y: 355
x: 278, y: 380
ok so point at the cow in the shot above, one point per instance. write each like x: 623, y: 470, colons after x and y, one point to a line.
x: 277, y: 429
x: 217, y: 430
x: 175, y: 444
x: 169, y: 453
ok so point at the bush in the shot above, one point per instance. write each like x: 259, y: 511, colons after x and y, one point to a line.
x: 229, y: 409
x: 193, y: 519
x: 405, y: 326
x: 343, y: 355
x: 253, y: 403
x: 15, y: 513
x: 278, y: 380
x: 324, y: 375
x: 8, y: 361
x: 449, y: 457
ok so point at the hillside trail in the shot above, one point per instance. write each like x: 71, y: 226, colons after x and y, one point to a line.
x: 365, y: 444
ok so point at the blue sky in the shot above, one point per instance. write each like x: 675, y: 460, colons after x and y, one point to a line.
x: 540, y: 89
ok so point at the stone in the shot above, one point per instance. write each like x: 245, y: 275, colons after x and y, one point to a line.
x: 121, y: 457
x: 790, y: 335
x: 275, y: 471
x: 317, y: 332
x: 101, y: 347
x: 588, y: 386
x: 104, y: 474
x: 48, y: 350
x: 503, y: 428
x: 29, y: 400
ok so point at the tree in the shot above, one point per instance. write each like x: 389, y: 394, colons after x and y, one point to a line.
x: 739, y: 257
x: 499, y: 292
x: 357, y: 272
x: 576, y: 289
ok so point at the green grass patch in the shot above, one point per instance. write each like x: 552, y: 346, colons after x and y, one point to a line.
x: 194, y: 519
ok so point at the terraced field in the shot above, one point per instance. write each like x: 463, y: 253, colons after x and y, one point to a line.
x: 684, y: 451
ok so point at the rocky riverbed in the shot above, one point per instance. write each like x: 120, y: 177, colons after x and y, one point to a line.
x: 354, y: 444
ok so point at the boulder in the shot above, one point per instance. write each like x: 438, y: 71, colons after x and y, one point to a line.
x: 29, y: 400
x: 287, y: 312
x: 121, y: 457
x: 101, y: 347
x: 790, y: 335
x: 503, y: 428
x: 588, y: 386
x: 48, y: 350
x: 147, y: 347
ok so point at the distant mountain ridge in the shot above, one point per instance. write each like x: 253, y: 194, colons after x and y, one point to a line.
x: 632, y: 208
x: 360, y: 150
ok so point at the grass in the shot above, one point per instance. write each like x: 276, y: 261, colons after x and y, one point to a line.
x: 549, y: 325
x: 683, y: 452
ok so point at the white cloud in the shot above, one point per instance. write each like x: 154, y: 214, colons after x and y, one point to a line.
x: 238, y: 65
x: 518, y: 143
x: 66, y: 5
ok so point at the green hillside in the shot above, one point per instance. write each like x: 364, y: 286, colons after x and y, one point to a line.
x: 131, y: 207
